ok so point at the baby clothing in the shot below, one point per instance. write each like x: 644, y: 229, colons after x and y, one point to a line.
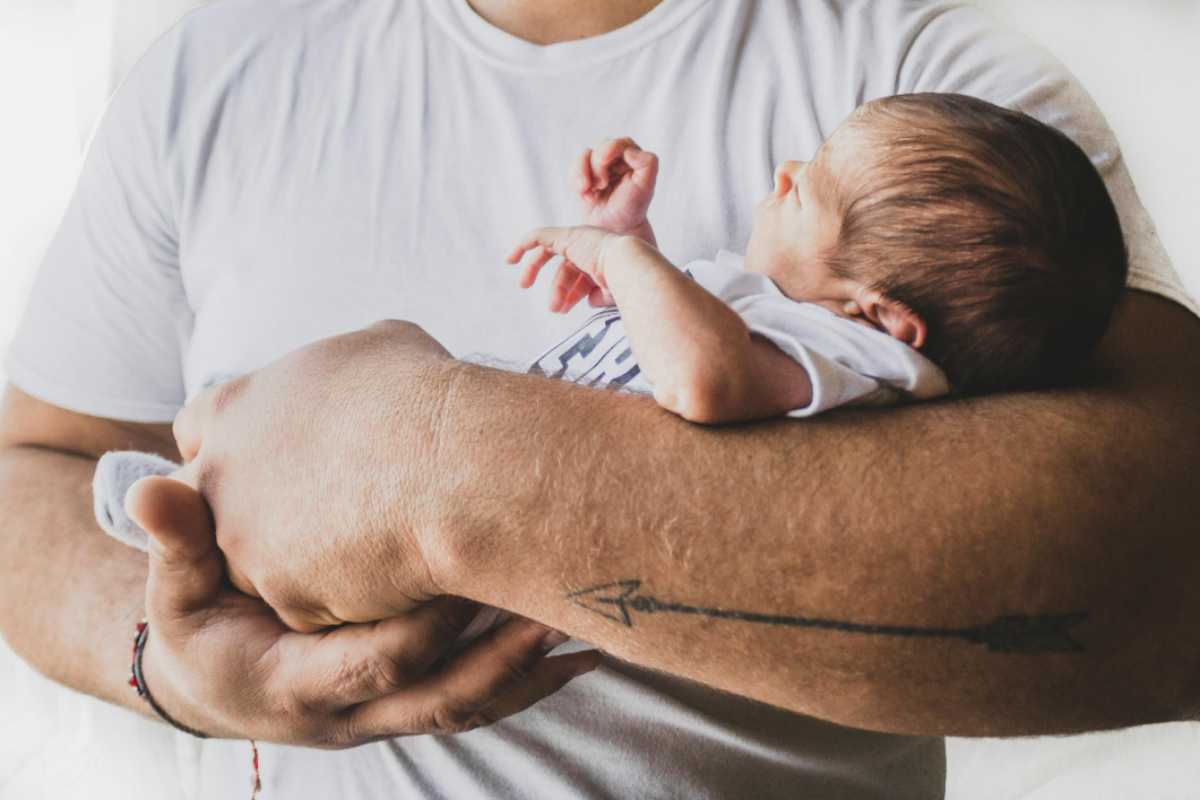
x: 848, y: 363
x: 115, y: 473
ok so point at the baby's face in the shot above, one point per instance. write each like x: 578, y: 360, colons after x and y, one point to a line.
x: 797, y: 223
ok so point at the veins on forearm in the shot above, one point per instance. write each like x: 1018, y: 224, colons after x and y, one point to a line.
x: 621, y: 601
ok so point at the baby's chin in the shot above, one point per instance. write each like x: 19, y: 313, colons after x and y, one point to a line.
x: 758, y: 252
x: 755, y: 265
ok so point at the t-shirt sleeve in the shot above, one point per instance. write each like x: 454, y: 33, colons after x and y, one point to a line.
x: 847, y: 363
x: 104, y: 330
x: 964, y: 50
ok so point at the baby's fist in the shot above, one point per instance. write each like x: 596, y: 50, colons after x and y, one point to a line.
x: 616, y: 183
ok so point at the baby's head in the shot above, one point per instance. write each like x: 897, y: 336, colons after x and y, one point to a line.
x: 978, y: 235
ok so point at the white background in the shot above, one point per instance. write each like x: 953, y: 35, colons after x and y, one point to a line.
x: 1140, y: 59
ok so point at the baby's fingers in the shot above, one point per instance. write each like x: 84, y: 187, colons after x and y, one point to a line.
x: 645, y: 167
x: 552, y: 238
x: 544, y: 243
x: 570, y: 286
x: 580, y: 289
x: 600, y: 298
x: 530, y: 273
x: 581, y: 173
x: 608, y: 159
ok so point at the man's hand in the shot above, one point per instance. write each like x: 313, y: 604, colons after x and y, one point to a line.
x: 222, y: 663
x: 616, y: 181
x: 302, y: 463
x: 586, y: 252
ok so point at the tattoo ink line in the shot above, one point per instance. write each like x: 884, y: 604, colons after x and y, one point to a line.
x: 1011, y: 633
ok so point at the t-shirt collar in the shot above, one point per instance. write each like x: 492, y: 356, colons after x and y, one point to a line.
x: 502, y: 48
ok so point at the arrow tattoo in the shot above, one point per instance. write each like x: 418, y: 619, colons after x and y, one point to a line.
x: 1011, y: 633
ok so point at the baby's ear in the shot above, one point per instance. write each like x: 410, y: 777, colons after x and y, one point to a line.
x: 894, y: 317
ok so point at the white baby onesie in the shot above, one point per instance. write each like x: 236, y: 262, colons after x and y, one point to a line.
x: 847, y: 362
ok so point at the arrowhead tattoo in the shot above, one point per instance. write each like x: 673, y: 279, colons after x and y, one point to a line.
x: 1012, y: 633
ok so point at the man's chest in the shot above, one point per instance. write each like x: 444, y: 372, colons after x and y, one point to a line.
x: 402, y: 204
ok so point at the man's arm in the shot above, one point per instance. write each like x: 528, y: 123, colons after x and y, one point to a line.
x: 1016, y: 564
x: 219, y: 661
x: 1029, y: 563
x: 69, y: 596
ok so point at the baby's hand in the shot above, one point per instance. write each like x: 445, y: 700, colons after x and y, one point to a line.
x: 581, y: 273
x: 616, y: 183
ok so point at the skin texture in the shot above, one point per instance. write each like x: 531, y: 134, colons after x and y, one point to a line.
x: 222, y: 662
x: 940, y: 515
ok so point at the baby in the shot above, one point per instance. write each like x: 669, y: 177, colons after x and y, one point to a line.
x: 935, y: 243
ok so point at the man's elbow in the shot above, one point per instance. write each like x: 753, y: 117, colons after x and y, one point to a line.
x: 1143, y: 642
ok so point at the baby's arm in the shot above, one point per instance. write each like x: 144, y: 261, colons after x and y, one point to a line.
x: 695, y: 351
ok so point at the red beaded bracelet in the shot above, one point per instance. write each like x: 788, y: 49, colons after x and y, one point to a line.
x: 138, y: 681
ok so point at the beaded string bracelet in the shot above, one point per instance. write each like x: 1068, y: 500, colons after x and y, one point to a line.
x: 138, y: 681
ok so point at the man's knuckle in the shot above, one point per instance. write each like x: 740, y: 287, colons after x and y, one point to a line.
x: 339, y: 733
x: 514, y: 670
x: 456, y: 718
x: 299, y: 710
x: 386, y: 674
x: 486, y: 716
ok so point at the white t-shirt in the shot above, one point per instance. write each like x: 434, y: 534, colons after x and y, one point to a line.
x: 847, y: 363
x: 275, y: 171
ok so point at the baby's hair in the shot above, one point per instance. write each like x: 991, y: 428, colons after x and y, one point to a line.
x: 992, y: 226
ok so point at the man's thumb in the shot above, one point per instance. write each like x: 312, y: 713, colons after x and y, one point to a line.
x: 186, y: 568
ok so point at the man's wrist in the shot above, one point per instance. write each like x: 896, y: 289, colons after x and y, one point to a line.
x: 436, y: 520
x: 161, y: 701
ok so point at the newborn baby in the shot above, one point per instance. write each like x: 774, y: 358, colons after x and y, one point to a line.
x: 935, y: 243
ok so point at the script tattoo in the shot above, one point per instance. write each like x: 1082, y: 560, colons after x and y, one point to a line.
x: 1011, y: 633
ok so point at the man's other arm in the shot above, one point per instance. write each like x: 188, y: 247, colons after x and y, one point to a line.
x: 1015, y: 564
x: 69, y: 595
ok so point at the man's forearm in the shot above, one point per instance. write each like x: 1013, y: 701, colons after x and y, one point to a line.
x: 69, y: 595
x: 1007, y: 565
